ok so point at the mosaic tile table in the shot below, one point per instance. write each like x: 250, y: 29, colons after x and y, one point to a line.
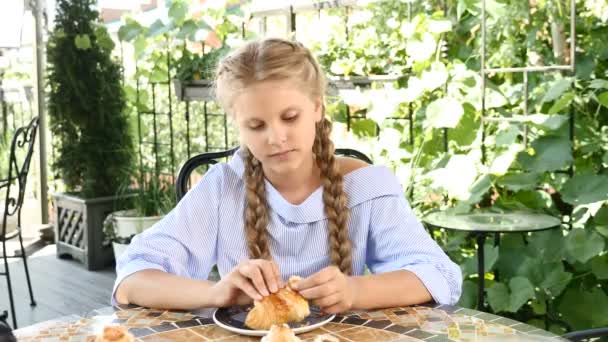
x: 428, y: 323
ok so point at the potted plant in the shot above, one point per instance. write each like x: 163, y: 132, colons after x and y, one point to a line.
x: 92, y: 144
x: 194, y: 74
x: 148, y: 204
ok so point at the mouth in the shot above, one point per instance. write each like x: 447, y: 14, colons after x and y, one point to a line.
x: 281, y: 154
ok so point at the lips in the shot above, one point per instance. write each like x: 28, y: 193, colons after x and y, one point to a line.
x: 280, y: 154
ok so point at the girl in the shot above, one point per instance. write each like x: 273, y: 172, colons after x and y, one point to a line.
x: 285, y: 205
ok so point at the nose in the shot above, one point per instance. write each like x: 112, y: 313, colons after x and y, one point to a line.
x: 277, y: 135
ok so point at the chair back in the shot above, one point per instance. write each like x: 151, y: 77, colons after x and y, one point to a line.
x: 182, y: 184
x: 13, y: 186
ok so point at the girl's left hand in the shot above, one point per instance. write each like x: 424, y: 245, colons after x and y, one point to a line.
x: 330, y: 289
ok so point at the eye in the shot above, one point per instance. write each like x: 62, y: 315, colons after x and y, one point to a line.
x: 291, y: 117
x: 255, y: 125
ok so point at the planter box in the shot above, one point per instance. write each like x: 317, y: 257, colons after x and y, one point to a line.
x: 127, y: 224
x: 201, y: 90
x: 119, y: 248
x: 79, y: 229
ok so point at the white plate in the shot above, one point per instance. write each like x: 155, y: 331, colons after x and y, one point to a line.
x: 233, y: 319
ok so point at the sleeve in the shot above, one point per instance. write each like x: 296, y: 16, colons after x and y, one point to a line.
x: 398, y: 241
x: 184, y: 241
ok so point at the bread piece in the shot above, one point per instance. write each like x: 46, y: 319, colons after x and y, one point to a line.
x: 284, y: 306
x: 115, y: 334
x: 280, y: 333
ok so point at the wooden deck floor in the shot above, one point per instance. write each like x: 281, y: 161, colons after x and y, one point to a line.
x: 61, y: 287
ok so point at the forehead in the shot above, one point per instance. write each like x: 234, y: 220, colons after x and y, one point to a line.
x: 269, y: 98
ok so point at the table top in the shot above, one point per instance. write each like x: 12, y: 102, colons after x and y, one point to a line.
x: 416, y: 323
x: 491, y: 222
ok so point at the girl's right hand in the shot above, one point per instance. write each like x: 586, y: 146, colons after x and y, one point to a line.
x: 249, y: 280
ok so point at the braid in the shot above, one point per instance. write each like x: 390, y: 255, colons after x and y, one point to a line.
x: 256, y: 212
x: 334, y: 198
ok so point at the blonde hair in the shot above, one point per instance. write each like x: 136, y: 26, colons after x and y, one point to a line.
x: 276, y: 60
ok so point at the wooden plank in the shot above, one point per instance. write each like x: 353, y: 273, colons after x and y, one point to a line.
x: 61, y: 287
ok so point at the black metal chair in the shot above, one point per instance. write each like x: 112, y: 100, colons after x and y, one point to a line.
x: 22, y: 148
x: 584, y: 335
x: 210, y: 158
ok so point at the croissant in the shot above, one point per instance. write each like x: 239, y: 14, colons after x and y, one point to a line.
x: 115, y: 334
x: 284, y: 306
x: 280, y: 333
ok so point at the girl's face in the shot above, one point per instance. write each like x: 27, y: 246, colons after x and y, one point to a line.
x: 276, y: 122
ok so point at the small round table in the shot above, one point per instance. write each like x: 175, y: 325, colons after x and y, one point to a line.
x: 483, y: 223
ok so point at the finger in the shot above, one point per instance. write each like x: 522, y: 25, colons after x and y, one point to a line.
x: 268, y: 275
x: 319, y: 278
x: 328, y: 301
x: 245, y: 285
x: 277, y: 274
x: 252, y: 271
x: 334, y: 309
x: 320, y: 291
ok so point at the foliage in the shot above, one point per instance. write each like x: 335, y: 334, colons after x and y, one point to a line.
x: 90, y: 127
x: 551, y: 279
x: 193, y: 67
x: 167, y: 49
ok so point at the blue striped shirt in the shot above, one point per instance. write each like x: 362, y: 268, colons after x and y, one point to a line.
x: 207, y: 228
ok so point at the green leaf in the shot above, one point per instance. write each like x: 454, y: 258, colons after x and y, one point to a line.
x: 511, y: 260
x: 547, y: 246
x: 364, y: 127
x: 557, y: 89
x: 491, y: 256
x: 158, y: 27
x: 498, y: 297
x: 479, y: 188
x: 598, y: 84
x: 435, y: 77
x: 235, y: 10
x: 602, y: 230
x: 539, y: 306
x: 534, y: 199
x: 551, y: 122
x: 139, y: 46
x: 444, y: 113
x: 555, y: 279
x: 603, y: 99
x: 507, y: 136
x: 582, y: 245
x: 187, y: 30
x: 129, y: 30
x: 584, y: 309
x: 550, y: 153
x: 468, y: 298
x: 519, y: 181
x: 562, y: 103
x: 601, y: 216
x: 501, y: 164
x: 544, y: 121
x: 468, y: 129
x: 103, y: 38
x: 521, y: 291
x: 599, y: 266
x: 178, y: 11
x: 82, y: 42
x: 585, y: 189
